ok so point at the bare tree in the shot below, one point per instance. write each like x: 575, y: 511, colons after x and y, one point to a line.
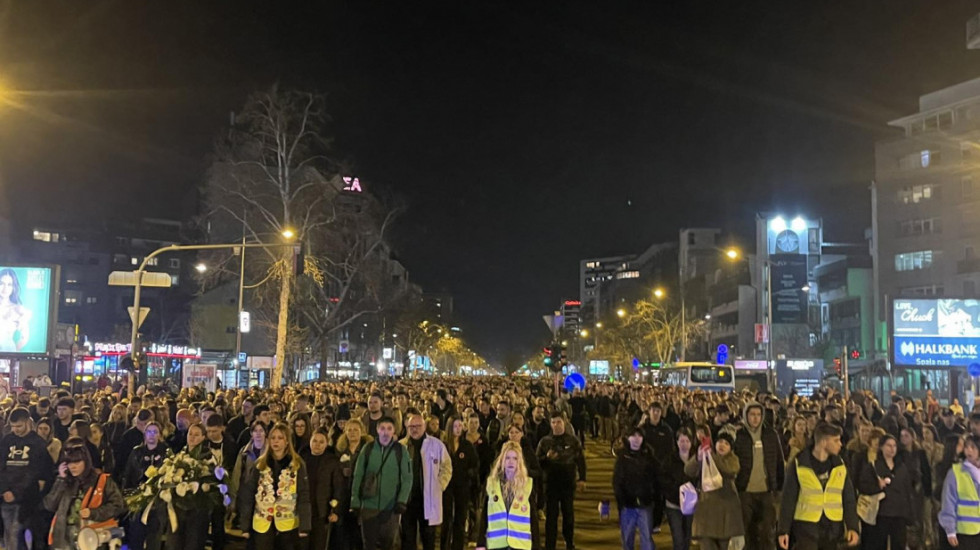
x: 269, y: 175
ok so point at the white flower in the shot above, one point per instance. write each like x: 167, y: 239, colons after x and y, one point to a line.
x: 166, y: 496
x: 345, y: 458
x: 181, y: 489
x: 334, y: 503
x: 205, y: 487
x: 195, y: 485
x: 147, y: 490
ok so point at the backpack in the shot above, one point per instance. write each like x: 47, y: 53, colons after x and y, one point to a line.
x: 372, y: 483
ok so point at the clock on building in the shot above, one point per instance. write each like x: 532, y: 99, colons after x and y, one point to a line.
x: 788, y: 241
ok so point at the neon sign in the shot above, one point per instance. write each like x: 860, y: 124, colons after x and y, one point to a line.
x: 352, y: 184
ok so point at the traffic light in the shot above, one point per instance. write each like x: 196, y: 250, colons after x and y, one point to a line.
x: 855, y: 354
x: 837, y: 365
x: 549, y: 361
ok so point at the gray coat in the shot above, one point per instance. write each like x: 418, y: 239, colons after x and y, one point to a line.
x: 719, y: 513
x: 64, y: 492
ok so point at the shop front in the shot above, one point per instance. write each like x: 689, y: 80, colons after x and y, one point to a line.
x: 163, y: 363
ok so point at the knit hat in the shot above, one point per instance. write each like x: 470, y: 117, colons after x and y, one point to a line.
x: 343, y: 412
x: 726, y: 436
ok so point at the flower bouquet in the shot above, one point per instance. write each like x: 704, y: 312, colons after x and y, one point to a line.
x: 183, y: 483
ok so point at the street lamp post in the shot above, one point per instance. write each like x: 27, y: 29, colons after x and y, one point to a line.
x: 139, y: 282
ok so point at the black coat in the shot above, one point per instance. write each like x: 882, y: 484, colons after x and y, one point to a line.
x: 772, y: 452
x: 660, y: 437
x: 326, y: 482
x: 672, y: 476
x: 635, y: 478
x: 898, y: 500
x: 139, y: 460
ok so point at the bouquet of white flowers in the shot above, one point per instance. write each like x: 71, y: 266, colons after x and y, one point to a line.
x: 183, y: 483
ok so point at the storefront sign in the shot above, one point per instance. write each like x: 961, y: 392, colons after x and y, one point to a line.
x: 750, y: 364
x: 788, y: 272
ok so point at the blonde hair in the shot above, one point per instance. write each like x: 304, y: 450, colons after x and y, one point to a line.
x: 295, y: 460
x: 509, y: 488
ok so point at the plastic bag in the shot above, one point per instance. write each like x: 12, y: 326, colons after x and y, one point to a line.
x: 688, y: 498
x: 867, y: 507
x: 710, y: 476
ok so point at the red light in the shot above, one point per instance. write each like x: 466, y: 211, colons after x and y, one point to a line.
x: 572, y: 303
x: 855, y: 354
x: 547, y: 351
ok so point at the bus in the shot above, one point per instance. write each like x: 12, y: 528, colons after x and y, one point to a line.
x: 699, y: 376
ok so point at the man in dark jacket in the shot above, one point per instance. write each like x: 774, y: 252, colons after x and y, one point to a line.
x: 25, y: 467
x: 819, y: 469
x: 660, y: 438
x: 760, y: 476
x: 130, y: 439
x: 635, y: 485
x: 561, y: 457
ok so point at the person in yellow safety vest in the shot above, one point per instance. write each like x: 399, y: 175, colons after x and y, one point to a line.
x: 819, y: 506
x: 510, y: 507
x: 960, y: 513
x: 275, y: 498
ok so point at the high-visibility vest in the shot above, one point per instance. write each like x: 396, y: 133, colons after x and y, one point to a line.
x: 816, y: 500
x: 91, y: 500
x: 967, y: 502
x: 270, y: 507
x: 509, y: 528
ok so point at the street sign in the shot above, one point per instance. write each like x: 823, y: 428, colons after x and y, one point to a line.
x: 150, y: 279
x: 761, y: 333
x: 242, y: 359
x: 722, y: 354
x: 574, y: 380
x: 974, y: 369
x: 244, y: 322
x: 554, y: 322
x: 142, y: 316
x: 388, y: 353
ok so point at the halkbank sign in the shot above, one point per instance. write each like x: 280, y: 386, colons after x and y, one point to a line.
x: 936, y: 333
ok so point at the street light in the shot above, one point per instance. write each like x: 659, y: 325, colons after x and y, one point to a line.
x: 621, y: 313
x: 288, y: 233
x: 200, y: 267
x: 658, y: 292
x: 732, y: 254
x: 584, y: 333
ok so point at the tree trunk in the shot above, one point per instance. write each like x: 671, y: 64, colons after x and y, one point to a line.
x: 282, y: 328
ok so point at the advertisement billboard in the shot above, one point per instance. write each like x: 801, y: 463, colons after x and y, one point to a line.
x: 26, y: 309
x: 788, y: 279
x: 936, y: 333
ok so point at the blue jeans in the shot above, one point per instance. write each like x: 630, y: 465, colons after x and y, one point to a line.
x: 631, y: 520
x: 13, y: 531
x: 680, y: 528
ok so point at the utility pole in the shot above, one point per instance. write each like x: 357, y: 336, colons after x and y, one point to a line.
x: 844, y: 361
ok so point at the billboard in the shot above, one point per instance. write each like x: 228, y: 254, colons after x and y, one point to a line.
x: 936, y: 333
x: 788, y: 272
x: 26, y: 309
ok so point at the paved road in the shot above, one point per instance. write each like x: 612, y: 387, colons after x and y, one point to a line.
x: 591, y: 533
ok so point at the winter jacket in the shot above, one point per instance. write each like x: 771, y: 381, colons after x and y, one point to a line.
x: 719, y: 512
x: 61, y: 498
x: 660, y: 437
x: 326, y: 482
x: 772, y: 452
x: 898, y: 501
x: 672, y: 476
x: 635, y: 482
x: 562, y: 469
x: 294, y: 509
x: 791, y: 492
x: 24, y: 461
x: 394, y: 480
x: 139, y: 460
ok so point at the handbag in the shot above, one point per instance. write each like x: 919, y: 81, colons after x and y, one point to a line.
x: 867, y: 507
x: 710, y: 476
x: 688, y: 498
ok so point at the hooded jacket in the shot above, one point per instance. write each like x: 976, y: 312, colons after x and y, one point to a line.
x: 772, y: 452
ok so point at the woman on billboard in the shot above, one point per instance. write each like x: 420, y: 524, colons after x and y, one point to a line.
x: 14, y: 317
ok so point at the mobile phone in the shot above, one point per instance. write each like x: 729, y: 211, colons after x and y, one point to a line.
x: 706, y: 442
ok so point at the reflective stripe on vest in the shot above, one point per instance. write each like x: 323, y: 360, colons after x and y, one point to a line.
x: 509, y: 528
x: 815, y: 500
x: 967, y: 502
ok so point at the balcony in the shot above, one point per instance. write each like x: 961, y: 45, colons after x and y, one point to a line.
x: 968, y: 265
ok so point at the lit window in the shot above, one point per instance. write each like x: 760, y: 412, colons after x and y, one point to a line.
x: 91, y: 300
x: 152, y: 261
x: 175, y: 280
x: 913, y: 261
x: 135, y: 260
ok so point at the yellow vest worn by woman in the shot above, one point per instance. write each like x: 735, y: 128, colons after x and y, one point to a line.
x: 509, y: 528
x: 276, y: 505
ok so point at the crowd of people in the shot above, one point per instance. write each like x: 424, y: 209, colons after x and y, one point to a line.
x: 459, y: 462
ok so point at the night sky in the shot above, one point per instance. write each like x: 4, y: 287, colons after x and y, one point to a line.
x: 524, y: 136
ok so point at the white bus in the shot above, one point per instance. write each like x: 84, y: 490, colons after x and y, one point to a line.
x: 699, y: 376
